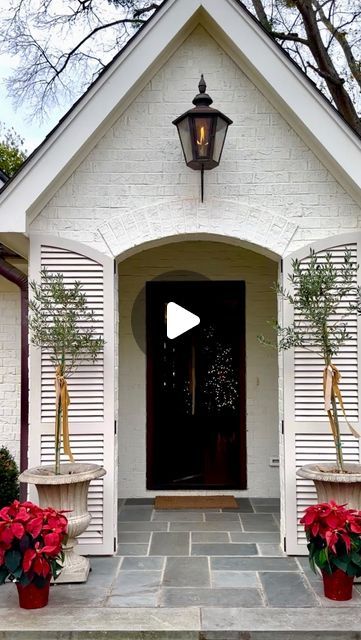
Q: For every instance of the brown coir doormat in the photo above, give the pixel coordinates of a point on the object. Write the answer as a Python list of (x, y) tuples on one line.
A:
[(195, 502)]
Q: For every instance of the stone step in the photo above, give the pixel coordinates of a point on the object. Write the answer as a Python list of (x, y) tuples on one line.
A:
[(75, 623)]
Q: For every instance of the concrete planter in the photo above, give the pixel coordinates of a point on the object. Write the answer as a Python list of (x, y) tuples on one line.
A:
[(341, 487), (68, 491)]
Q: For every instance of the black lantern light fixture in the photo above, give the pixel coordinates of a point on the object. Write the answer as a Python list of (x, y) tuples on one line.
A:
[(202, 132)]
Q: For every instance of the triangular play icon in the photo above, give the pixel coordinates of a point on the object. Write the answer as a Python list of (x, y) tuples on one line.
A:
[(179, 320)]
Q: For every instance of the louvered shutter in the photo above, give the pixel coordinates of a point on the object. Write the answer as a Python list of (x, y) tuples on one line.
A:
[(307, 436), (91, 386)]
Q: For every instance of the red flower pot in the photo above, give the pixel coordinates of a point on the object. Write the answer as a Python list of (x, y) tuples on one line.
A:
[(33, 597), (337, 585)]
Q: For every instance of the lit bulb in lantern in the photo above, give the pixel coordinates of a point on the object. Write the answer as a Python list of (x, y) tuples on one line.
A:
[(202, 144)]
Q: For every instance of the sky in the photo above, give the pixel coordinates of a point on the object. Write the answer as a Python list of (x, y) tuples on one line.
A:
[(29, 128), (32, 131)]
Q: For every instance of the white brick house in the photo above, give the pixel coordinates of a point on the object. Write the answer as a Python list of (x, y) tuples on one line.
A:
[(108, 199)]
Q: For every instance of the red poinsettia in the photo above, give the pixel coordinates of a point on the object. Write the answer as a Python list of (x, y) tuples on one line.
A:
[(31, 540), (334, 537)]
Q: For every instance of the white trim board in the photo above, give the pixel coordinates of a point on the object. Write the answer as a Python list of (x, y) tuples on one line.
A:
[(289, 90)]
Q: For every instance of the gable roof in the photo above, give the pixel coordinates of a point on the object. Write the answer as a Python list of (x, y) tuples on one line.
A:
[(251, 46)]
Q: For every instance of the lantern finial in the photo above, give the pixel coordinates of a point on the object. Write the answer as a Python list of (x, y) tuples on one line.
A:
[(202, 98), (202, 85)]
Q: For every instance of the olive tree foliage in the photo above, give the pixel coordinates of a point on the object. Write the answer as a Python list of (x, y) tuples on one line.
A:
[(62, 45)]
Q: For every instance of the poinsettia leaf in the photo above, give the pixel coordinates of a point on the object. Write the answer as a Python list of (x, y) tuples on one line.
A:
[(312, 563), (40, 581), (353, 570), (25, 579), (341, 563), (3, 574), (356, 558), (17, 573), (24, 543), (322, 558), (12, 559)]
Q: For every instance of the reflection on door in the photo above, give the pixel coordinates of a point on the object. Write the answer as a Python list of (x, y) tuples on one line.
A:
[(196, 427)]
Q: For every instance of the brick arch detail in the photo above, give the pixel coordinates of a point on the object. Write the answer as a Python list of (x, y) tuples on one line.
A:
[(189, 218)]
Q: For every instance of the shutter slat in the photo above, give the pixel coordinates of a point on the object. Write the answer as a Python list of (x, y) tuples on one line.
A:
[(308, 367), (83, 406)]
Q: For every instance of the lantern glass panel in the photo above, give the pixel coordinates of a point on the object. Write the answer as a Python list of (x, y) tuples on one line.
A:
[(220, 136), (185, 138), (203, 139)]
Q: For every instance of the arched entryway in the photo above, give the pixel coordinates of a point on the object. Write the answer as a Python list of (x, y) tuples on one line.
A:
[(193, 265)]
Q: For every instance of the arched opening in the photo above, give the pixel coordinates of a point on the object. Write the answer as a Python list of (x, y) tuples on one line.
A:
[(184, 263)]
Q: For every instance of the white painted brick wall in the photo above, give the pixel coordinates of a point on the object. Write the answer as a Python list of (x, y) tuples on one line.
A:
[(139, 163), (219, 262), (266, 169), (10, 367)]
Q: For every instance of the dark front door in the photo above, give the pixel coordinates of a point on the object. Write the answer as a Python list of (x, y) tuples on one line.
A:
[(196, 430)]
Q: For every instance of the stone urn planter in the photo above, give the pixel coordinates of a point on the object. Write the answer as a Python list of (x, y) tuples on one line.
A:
[(67, 491), (343, 488)]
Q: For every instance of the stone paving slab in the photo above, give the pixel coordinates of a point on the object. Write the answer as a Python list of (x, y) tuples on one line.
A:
[(134, 536), (220, 517), (143, 564), (219, 549), (287, 589), (100, 619), (232, 525), (186, 572), (170, 544), (266, 549), (303, 621), (132, 514), (253, 564), (264, 536), (172, 597), (210, 536), (264, 508), (182, 516), (259, 522), (128, 549), (142, 526), (235, 579)]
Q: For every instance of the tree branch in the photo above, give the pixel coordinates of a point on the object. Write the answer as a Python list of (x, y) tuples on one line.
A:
[(291, 37), (325, 66), (340, 36), (141, 11)]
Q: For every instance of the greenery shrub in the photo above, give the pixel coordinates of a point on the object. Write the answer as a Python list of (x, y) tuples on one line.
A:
[(9, 473)]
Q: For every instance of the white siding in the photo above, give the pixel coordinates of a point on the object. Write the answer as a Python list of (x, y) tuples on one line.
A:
[(10, 367)]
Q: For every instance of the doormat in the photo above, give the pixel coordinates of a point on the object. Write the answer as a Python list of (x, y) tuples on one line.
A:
[(195, 502)]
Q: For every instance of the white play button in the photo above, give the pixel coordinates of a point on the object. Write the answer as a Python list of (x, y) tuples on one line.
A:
[(179, 320)]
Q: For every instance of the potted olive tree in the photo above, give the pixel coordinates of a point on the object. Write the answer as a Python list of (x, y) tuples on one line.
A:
[(62, 325), (318, 290)]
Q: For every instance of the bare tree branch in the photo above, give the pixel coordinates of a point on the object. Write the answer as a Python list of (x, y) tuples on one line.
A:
[(62, 46), (341, 37), (324, 38)]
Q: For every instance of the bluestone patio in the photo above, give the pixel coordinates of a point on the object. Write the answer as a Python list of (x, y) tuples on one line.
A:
[(190, 574)]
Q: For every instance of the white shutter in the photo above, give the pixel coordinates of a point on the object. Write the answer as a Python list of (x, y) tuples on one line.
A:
[(307, 436), (91, 387)]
